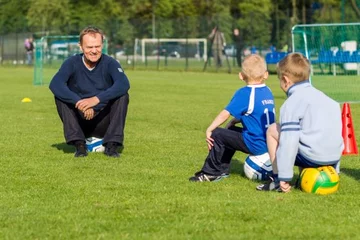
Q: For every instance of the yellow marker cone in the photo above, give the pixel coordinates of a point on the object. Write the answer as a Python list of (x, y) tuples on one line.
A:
[(26, 100)]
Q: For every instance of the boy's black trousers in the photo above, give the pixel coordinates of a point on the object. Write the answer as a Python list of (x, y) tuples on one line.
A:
[(226, 142)]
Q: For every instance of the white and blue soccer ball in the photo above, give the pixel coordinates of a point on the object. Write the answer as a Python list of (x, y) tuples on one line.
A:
[(258, 167), (94, 144)]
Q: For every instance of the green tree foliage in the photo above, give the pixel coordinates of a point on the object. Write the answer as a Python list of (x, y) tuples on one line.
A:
[(214, 13), (255, 21), (13, 15), (335, 11), (262, 22), (184, 11), (356, 7), (47, 16)]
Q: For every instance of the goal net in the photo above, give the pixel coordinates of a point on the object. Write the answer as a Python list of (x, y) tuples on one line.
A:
[(333, 50), (50, 52), (164, 52)]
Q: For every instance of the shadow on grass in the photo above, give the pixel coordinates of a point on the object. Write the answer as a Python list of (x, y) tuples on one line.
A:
[(354, 173), (64, 147), (70, 149), (237, 167)]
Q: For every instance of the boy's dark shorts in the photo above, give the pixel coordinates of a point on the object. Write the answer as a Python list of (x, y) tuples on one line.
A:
[(303, 162)]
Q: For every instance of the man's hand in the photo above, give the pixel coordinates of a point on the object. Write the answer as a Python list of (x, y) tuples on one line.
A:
[(87, 103), (285, 186), (89, 114)]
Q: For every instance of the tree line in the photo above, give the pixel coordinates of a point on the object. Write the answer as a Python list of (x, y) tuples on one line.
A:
[(261, 22)]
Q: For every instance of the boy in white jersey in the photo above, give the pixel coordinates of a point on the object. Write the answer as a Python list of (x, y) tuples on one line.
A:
[(309, 132), (253, 107)]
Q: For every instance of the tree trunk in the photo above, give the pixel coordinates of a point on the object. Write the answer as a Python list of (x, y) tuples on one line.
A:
[(355, 7), (294, 18), (304, 12)]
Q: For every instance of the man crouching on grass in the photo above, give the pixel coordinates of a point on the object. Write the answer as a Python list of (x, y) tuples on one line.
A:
[(91, 96)]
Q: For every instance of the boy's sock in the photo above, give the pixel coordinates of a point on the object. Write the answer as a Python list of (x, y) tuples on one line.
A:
[(276, 179)]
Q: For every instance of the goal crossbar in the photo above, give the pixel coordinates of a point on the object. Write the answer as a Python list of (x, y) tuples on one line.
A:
[(180, 40)]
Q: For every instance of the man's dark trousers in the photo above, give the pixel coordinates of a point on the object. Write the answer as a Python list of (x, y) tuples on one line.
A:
[(108, 124)]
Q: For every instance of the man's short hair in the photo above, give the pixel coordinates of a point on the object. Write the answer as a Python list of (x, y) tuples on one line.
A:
[(295, 66), (90, 30), (253, 67)]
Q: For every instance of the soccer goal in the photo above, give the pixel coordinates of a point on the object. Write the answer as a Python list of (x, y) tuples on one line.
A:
[(172, 47), (50, 52), (333, 50)]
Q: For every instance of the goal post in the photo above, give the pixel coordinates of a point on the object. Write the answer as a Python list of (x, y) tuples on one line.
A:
[(334, 54), (197, 45), (51, 51)]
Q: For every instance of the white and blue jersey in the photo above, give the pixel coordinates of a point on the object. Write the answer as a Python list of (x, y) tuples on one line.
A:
[(253, 106)]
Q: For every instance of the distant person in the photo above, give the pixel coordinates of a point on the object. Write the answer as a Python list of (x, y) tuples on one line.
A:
[(239, 45), (309, 134), (29, 48), (218, 45), (253, 107), (91, 96), (253, 50)]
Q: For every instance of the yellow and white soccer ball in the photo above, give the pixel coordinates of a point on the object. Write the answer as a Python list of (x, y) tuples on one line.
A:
[(94, 144), (322, 180)]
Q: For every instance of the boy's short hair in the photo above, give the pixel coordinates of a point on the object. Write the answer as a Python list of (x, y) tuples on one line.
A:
[(253, 67), (91, 30), (295, 66)]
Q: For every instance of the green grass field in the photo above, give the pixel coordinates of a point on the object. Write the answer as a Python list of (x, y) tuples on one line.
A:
[(46, 193)]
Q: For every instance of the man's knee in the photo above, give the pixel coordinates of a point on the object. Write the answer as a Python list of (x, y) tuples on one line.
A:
[(125, 97), (123, 100)]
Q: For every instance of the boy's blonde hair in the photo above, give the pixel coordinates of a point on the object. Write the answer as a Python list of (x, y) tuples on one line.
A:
[(295, 66), (253, 68)]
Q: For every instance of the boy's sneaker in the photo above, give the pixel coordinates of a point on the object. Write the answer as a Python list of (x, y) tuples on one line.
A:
[(81, 150), (225, 175), (203, 177), (269, 186)]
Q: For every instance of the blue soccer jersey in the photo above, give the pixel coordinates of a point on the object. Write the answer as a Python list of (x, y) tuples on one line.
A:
[(253, 106)]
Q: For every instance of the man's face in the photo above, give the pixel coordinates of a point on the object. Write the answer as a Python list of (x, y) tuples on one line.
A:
[(92, 47)]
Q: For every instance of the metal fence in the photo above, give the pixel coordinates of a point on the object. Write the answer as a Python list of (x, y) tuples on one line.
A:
[(12, 50), (123, 36)]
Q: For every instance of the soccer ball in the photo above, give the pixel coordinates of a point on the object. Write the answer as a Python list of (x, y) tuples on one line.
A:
[(94, 144), (258, 167), (322, 180)]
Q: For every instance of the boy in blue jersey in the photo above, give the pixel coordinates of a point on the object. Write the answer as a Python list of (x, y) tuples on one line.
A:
[(310, 130), (253, 107), (91, 96)]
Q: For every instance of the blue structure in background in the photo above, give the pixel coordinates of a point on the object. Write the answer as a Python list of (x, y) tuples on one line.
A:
[(324, 56), (274, 57)]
